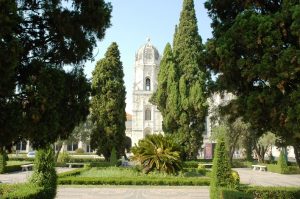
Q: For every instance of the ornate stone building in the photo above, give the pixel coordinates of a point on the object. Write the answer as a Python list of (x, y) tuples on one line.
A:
[(146, 119)]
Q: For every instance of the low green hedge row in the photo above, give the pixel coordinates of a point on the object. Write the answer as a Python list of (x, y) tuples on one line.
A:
[(261, 193), (194, 163), (24, 191), (274, 192), (290, 169), (21, 159), (133, 181), (12, 168), (74, 172)]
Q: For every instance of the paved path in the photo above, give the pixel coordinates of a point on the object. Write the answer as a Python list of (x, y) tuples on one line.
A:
[(133, 192), (262, 178), (23, 176)]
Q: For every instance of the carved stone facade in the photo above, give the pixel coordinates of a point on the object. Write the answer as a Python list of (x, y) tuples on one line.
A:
[(146, 119)]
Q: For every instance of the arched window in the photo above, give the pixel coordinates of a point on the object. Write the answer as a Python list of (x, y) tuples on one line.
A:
[(148, 84), (147, 114)]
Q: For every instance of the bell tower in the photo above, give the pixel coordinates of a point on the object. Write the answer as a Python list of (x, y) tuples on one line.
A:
[(146, 119)]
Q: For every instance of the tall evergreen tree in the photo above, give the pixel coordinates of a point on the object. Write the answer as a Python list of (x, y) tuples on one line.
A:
[(108, 104), (40, 37), (255, 50), (192, 80), (166, 95)]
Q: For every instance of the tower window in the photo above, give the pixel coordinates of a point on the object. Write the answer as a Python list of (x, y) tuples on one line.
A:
[(147, 114), (147, 84)]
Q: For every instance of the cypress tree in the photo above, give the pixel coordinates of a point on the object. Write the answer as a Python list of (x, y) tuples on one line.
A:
[(166, 95), (192, 80), (221, 170), (108, 104)]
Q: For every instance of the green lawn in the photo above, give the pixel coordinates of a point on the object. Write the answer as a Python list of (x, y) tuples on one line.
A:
[(131, 176), (14, 162)]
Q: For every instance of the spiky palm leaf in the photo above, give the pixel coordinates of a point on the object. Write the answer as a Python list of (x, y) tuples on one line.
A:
[(156, 152)]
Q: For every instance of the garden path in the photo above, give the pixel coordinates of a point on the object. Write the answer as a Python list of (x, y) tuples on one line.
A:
[(133, 192), (22, 176), (262, 178)]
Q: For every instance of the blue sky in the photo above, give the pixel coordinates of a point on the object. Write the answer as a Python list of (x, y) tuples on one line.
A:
[(135, 20)]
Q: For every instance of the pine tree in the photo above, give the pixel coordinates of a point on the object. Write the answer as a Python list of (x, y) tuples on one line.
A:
[(192, 80), (108, 104)]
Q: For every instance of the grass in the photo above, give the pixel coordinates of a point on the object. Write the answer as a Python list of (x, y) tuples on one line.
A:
[(131, 176), (14, 162)]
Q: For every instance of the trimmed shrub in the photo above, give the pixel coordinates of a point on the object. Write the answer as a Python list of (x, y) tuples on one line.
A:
[(221, 170), (79, 151), (113, 157), (74, 172), (2, 161), (134, 181), (235, 179), (64, 157), (24, 191), (274, 192), (12, 168), (234, 194), (44, 174), (201, 169), (282, 163)]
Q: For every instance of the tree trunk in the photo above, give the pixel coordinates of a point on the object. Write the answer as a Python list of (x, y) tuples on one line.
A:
[(297, 154), (57, 152)]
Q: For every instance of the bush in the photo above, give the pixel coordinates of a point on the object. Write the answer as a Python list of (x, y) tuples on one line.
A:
[(44, 174), (12, 168), (134, 181), (64, 157), (234, 194), (24, 191), (282, 164), (79, 151), (156, 152), (201, 169), (74, 172), (274, 192), (221, 170), (235, 179), (2, 161)]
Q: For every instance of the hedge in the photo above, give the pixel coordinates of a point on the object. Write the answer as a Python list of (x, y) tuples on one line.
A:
[(74, 172), (234, 194), (12, 168), (24, 191), (261, 193), (274, 192), (133, 181)]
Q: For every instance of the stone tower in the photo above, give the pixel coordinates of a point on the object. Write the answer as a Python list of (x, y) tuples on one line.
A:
[(146, 119)]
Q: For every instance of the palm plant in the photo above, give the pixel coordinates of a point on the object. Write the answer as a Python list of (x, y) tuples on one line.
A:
[(156, 152)]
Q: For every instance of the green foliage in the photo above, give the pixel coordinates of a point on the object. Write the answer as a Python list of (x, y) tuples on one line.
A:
[(108, 104), (44, 174), (74, 172), (24, 191), (226, 193), (41, 37), (134, 181), (2, 161), (156, 152), (181, 93), (192, 79), (64, 157), (79, 151), (282, 163), (274, 192), (221, 170), (113, 157), (255, 52)]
